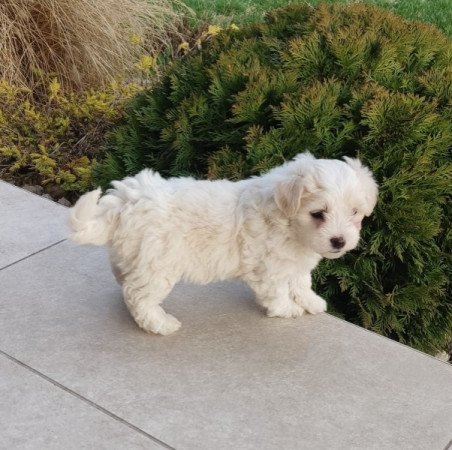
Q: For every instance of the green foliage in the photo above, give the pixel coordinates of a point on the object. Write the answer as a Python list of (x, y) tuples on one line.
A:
[(53, 140), (337, 80)]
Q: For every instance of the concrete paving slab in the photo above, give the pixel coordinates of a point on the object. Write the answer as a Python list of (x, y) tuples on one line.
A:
[(35, 414), (28, 223), (230, 378)]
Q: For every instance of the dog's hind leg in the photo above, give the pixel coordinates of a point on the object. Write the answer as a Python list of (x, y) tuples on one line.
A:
[(143, 294), (117, 273)]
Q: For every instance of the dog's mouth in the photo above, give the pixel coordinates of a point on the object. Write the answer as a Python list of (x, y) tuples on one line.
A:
[(333, 254)]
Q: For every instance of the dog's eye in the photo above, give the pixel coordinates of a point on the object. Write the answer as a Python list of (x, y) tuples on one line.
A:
[(318, 215), (354, 212)]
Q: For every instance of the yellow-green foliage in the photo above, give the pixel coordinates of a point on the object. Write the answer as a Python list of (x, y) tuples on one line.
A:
[(54, 141)]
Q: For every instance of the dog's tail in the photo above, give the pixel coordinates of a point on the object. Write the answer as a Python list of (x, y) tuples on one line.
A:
[(90, 222)]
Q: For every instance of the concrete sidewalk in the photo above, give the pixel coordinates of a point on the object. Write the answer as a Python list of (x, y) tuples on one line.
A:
[(76, 372)]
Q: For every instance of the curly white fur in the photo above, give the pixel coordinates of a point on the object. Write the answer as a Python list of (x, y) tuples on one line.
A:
[(269, 231)]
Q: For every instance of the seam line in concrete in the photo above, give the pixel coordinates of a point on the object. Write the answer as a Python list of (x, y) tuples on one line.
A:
[(32, 254), (87, 401)]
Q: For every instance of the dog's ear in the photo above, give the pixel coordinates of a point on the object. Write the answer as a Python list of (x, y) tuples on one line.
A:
[(368, 184), (288, 195)]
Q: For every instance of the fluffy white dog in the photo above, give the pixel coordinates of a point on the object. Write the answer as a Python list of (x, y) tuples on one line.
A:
[(270, 231)]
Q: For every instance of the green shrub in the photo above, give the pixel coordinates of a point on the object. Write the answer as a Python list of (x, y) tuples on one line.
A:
[(337, 80), (54, 141)]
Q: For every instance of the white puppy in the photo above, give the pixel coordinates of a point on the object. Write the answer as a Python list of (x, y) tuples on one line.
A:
[(270, 231)]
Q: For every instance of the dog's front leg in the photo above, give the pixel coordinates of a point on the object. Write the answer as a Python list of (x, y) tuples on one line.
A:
[(302, 294), (274, 296)]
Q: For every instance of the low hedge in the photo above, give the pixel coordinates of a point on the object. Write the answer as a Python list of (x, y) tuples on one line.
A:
[(338, 80)]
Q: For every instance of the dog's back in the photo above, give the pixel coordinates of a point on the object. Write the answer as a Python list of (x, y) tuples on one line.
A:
[(185, 223)]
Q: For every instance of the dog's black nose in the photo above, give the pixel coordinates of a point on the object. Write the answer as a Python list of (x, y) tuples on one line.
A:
[(337, 242)]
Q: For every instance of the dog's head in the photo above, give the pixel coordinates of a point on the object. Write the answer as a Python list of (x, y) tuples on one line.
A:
[(326, 201)]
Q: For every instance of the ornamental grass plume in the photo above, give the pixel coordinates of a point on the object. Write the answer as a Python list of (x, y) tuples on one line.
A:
[(81, 42)]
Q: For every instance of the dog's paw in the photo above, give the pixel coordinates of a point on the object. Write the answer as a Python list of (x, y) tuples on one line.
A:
[(314, 304), (285, 310), (160, 323), (168, 326), (310, 301)]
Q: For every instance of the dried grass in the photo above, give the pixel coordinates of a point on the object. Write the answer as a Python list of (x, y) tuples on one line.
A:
[(82, 42)]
